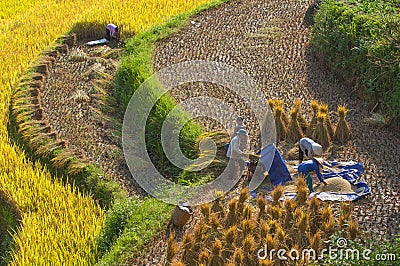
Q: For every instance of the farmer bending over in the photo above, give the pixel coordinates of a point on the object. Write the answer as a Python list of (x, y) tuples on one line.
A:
[(311, 166), (234, 151), (310, 148), (112, 32)]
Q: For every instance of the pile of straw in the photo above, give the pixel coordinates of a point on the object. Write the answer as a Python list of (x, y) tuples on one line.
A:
[(293, 153), (343, 130), (280, 125), (321, 134), (294, 133), (323, 108)]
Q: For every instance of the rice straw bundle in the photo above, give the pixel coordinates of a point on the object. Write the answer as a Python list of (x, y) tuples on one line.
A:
[(343, 130), (313, 123), (279, 102), (302, 120), (281, 129), (321, 134), (271, 103), (216, 252), (294, 133), (323, 108)]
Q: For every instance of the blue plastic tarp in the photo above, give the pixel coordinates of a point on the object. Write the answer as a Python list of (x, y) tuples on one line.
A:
[(349, 171), (346, 170), (278, 172)]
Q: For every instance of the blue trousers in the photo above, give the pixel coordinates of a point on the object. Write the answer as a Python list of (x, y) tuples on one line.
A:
[(309, 182)]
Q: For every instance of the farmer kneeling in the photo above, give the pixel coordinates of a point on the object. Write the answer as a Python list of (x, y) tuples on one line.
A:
[(309, 166), (112, 32), (234, 151)]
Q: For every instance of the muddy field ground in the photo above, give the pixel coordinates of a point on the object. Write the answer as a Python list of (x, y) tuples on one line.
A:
[(268, 41)]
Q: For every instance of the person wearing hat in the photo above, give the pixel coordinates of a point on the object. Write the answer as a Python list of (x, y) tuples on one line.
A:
[(310, 148), (306, 168), (239, 126), (112, 32), (234, 152)]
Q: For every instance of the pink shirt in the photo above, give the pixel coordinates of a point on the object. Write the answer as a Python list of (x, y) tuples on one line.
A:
[(112, 28)]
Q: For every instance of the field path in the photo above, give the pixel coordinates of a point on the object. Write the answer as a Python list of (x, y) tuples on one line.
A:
[(267, 40)]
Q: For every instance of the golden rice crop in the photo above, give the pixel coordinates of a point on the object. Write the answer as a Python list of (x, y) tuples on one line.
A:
[(301, 224), (59, 225)]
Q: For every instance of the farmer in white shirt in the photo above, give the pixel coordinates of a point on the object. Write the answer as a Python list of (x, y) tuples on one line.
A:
[(234, 151), (310, 148), (239, 126)]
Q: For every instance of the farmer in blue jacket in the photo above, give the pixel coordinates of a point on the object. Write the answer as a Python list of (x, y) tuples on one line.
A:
[(309, 166)]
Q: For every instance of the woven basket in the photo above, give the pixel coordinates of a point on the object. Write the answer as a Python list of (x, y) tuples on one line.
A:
[(181, 215)]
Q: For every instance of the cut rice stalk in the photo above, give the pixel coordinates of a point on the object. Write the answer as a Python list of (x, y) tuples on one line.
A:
[(271, 103), (324, 109), (343, 130), (75, 167), (321, 134), (48, 148), (302, 120), (294, 133), (281, 129), (63, 159), (279, 103), (313, 123)]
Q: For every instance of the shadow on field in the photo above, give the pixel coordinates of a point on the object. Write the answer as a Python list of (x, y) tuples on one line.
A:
[(9, 221), (89, 30)]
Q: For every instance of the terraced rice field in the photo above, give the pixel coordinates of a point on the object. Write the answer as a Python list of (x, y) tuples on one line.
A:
[(268, 40), (265, 39), (79, 92)]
